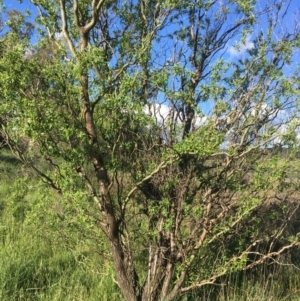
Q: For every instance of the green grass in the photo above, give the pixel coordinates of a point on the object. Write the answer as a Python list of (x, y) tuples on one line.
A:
[(34, 268), (43, 260), (35, 262), (281, 284)]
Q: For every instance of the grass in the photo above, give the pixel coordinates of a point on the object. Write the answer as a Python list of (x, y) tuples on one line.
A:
[(32, 268), (282, 284), (41, 262), (35, 262)]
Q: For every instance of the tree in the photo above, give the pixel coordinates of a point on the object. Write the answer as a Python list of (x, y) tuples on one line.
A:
[(115, 97)]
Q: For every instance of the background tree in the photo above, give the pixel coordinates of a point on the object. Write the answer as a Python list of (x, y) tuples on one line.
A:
[(138, 107)]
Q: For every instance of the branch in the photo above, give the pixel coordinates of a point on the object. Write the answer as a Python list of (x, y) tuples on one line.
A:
[(225, 270), (76, 18), (95, 13), (91, 188), (42, 17), (20, 155), (161, 166), (270, 255), (65, 27)]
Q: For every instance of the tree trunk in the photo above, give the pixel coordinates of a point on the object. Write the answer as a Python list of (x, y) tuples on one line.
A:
[(190, 112), (112, 226)]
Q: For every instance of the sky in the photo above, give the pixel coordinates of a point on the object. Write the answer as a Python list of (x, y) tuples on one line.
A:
[(27, 5), (294, 8), (15, 4), (232, 53)]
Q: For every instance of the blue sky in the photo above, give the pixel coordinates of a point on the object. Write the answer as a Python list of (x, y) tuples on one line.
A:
[(231, 53), (14, 4), (294, 8)]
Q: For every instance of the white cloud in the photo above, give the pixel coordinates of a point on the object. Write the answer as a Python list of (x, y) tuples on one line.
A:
[(29, 52), (240, 48), (199, 121), (160, 112), (59, 36)]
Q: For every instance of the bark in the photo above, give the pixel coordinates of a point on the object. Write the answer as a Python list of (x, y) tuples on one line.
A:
[(112, 225), (190, 113)]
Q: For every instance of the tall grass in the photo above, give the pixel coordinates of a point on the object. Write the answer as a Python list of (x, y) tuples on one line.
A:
[(32, 267), (276, 283), (283, 284), (37, 263)]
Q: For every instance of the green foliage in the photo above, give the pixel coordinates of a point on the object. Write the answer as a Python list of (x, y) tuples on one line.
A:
[(151, 146), (42, 257)]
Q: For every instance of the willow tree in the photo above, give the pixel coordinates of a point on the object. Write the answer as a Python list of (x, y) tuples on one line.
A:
[(168, 116)]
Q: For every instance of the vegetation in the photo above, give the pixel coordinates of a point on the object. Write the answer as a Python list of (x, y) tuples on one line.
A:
[(153, 160), (38, 262)]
